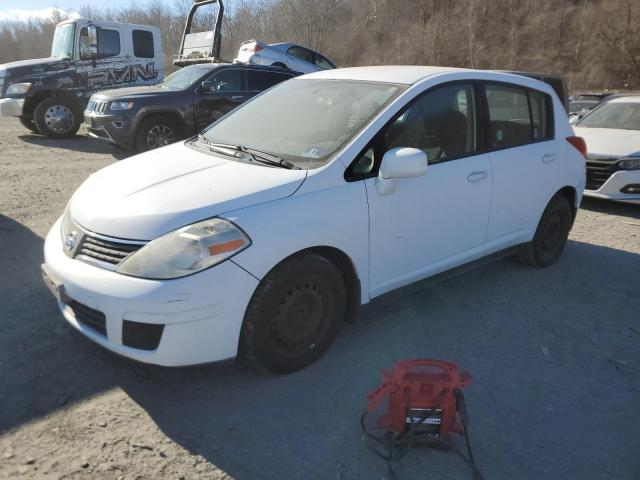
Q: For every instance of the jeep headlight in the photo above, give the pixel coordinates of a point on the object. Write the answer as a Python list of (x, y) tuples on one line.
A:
[(116, 106), (187, 250), (629, 163), (18, 88)]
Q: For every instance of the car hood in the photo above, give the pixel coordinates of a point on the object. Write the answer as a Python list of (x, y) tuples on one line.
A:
[(34, 62), (156, 192), (132, 92), (610, 141)]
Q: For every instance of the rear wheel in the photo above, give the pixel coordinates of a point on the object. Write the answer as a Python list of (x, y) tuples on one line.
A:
[(27, 122), (57, 117), (156, 132), (551, 234), (294, 314)]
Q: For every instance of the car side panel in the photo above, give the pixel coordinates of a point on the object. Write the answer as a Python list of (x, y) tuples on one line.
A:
[(332, 214)]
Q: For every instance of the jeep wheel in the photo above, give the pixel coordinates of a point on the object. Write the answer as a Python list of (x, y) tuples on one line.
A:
[(156, 132), (293, 315), (27, 123), (56, 118)]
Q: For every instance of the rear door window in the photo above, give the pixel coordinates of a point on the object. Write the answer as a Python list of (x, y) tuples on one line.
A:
[(509, 117), (143, 44), (261, 80)]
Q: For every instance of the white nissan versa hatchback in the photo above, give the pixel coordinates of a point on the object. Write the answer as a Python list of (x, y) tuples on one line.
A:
[(275, 224)]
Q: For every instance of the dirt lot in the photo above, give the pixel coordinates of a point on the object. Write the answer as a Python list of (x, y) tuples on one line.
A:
[(555, 358)]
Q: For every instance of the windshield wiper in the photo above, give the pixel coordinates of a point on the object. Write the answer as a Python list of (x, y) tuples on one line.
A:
[(256, 155)]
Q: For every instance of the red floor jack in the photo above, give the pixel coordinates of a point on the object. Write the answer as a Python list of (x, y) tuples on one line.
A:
[(425, 405)]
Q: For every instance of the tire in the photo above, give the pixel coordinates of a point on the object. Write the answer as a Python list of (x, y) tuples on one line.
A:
[(293, 315), (279, 64), (57, 118), (28, 123), (551, 234), (155, 132)]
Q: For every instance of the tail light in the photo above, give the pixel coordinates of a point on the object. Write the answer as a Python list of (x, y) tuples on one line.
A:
[(579, 144), (256, 47)]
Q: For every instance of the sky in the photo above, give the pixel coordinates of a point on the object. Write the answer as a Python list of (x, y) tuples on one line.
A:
[(22, 9)]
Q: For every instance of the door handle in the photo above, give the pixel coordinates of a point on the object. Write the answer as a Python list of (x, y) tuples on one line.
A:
[(549, 158), (237, 97), (476, 177)]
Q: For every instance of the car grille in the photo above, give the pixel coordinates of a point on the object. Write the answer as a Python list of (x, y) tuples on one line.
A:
[(96, 106), (106, 250), (89, 317), (599, 169)]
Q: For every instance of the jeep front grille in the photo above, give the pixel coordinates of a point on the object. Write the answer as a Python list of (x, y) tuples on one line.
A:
[(97, 106)]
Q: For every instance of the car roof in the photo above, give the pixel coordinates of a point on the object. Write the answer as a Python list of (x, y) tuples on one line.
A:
[(411, 74), (282, 45), (405, 74), (270, 68), (624, 99)]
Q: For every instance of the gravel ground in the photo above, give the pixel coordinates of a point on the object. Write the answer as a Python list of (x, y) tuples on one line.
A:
[(554, 355)]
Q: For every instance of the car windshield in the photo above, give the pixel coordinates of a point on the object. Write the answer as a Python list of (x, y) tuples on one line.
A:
[(62, 44), (304, 121), (575, 107), (185, 77), (621, 115)]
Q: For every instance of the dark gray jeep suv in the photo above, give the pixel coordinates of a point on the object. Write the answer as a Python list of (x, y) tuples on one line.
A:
[(181, 105)]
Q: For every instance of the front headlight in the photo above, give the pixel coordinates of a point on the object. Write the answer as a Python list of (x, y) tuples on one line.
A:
[(629, 164), (187, 250), (115, 106), (18, 88)]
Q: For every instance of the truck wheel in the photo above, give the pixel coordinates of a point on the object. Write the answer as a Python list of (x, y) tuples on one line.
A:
[(27, 123), (293, 315), (57, 118), (551, 234), (155, 132)]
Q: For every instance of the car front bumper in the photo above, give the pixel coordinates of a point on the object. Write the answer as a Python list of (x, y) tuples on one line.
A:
[(612, 188), (11, 107), (202, 314), (118, 129)]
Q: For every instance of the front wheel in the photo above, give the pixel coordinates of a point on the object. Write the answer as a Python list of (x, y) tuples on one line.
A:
[(551, 234), (57, 118), (294, 314), (156, 132)]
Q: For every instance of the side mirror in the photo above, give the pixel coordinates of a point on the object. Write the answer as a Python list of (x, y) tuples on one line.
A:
[(400, 162), (93, 40)]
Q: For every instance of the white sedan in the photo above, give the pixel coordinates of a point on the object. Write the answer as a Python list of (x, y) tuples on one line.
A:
[(261, 235), (612, 133), (284, 55)]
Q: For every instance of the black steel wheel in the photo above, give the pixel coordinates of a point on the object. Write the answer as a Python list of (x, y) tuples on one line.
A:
[(294, 314), (551, 234)]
